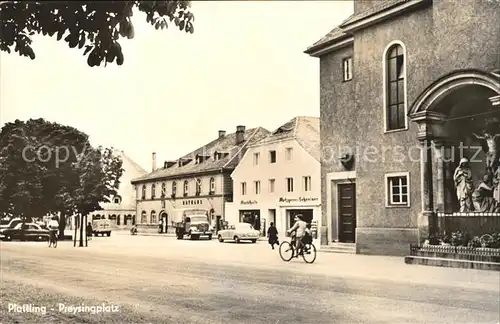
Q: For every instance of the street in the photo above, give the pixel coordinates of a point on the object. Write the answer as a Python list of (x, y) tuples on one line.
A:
[(151, 279)]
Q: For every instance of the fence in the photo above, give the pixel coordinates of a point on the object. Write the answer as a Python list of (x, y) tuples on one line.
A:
[(448, 249), (474, 223)]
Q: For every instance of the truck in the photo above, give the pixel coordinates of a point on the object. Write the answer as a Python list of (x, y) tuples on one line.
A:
[(192, 223), (102, 227)]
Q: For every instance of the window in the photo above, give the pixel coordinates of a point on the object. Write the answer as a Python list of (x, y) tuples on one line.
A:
[(144, 217), (289, 184), (256, 157), (198, 187), (144, 192), (307, 183), (271, 185), (288, 153), (272, 156), (257, 187), (153, 217), (212, 185), (347, 68), (243, 188), (395, 96), (397, 189), (174, 188), (163, 190), (117, 200), (153, 191), (118, 220), (186, 188)]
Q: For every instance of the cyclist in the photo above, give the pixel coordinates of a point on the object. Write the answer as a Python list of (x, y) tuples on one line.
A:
[(53, 226), (299, 229)]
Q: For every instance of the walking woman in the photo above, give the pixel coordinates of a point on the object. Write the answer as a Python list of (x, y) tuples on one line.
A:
[(272, 234)]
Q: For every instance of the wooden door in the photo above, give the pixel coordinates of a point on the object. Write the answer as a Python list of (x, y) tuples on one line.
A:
[(347, 212)]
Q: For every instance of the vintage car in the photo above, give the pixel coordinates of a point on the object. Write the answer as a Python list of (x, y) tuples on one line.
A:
[(11, 223), (239, 232), (32, 232)]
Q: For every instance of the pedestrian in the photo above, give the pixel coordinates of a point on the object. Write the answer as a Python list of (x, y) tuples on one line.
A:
[(89, 231), (272, 234)]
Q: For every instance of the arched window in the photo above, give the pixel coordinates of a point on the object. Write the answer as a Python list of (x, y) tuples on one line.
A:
[(212, 185), (144, 217), (153, 217), (117, 219), (174, 188), (198, 187), (143, 192), (395, 87), (153, 191), (186, 188), (163, 190), (117, 199)]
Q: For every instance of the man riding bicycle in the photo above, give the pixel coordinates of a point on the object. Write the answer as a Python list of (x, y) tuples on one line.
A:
[(300, 231), (53, 227)]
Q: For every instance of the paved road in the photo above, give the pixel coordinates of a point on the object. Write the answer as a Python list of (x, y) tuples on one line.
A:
[(162, 280)]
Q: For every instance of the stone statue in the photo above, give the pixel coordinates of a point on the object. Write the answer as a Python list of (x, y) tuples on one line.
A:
[(496, 183), (464, 185), (482, 197), (490, 146)]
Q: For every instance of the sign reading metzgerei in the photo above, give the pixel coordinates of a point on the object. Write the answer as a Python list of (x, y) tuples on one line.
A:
[(298, 199)]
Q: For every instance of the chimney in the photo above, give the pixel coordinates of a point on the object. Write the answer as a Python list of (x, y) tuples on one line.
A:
[(240, 134), (154, 162), (222, 133)]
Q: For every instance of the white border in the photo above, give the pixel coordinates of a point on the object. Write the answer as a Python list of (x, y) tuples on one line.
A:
[(386, 180), (384, 85)]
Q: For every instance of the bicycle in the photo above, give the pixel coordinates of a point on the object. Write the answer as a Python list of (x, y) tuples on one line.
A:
[(306, 250), (53, 239)]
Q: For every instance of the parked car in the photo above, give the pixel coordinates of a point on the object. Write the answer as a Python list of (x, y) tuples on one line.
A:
[(32, 232), (239, 232), (11, 223)]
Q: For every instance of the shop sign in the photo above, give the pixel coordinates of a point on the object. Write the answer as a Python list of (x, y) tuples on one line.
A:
[(298, 199), (248, 202)]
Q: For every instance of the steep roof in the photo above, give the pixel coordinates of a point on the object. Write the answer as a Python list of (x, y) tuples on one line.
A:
[(225, 144), (383, 5), (333, 36), (337, 33), (125, 157), (304, 129)]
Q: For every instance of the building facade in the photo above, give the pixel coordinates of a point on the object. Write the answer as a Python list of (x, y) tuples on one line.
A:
[(403, 86), (279, 177), (121, 209), (200, 179)]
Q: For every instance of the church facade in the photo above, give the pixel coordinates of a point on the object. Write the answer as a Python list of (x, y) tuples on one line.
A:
[(399, 111)]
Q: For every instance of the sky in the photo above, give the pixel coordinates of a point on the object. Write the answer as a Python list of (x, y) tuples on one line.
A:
[(244, 65)]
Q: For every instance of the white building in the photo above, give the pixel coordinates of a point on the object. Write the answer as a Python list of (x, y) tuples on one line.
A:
[(279, 177), (121, 210)]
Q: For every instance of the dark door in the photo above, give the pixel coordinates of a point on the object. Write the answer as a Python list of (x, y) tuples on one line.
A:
[(347, 212)]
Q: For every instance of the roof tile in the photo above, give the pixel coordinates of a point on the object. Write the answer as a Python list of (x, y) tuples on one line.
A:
[(224, 144)]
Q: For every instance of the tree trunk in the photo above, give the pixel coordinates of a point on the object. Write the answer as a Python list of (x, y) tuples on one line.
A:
[(86, 234), (62, 226), (23, 219), (74, 236), (81, 230)]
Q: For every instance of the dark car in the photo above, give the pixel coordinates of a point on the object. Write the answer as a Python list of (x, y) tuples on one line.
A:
[(31, 231), (10, 223)]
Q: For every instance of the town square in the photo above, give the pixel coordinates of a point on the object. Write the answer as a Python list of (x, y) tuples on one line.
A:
[(250, 161)]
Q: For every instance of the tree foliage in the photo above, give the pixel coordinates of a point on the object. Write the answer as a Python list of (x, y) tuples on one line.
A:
[(95, 27), (51, 168)]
